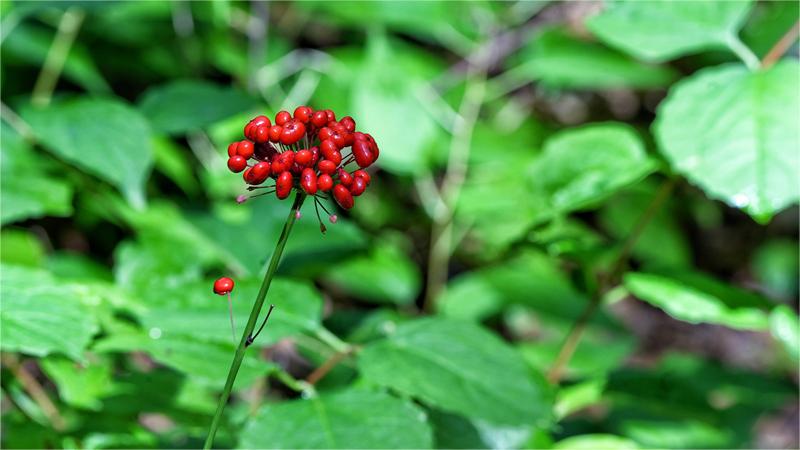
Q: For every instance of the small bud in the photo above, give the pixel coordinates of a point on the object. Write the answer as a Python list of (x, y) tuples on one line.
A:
[(297, 214), (241, 199), (333, 218)]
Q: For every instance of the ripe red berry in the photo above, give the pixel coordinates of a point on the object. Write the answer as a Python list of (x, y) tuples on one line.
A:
[(303, 114), (292, 132), (282, 117), (324, 182), (362, 174), (326, 166), (259, 173), (331, 115), (303, 157), (250, 130), (260, 134), (358, 187), (348, 123), (232, 148), (283, 162), (319, 119), (283, 185), (324, 134), (245, 149), (223, 286), (343, 197), (338, 139), (327, 147), (275, 133), (308, 181), (237, 163), (345, 178), (336, 157), (363, 153)]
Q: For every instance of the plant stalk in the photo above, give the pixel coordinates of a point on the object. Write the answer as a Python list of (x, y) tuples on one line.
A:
[(251, 322)]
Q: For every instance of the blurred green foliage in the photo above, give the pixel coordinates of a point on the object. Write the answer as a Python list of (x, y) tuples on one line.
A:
[(538, 160)]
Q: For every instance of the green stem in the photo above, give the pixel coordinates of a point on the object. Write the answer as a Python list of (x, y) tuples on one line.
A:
[(743, 52), (68, 29), (251, 322)]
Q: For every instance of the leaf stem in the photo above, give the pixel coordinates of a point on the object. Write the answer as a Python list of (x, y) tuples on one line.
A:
[(605, 282), (68, 29), (780, 47), (251, 322), (320, 372), (35, 390), (743, 52)]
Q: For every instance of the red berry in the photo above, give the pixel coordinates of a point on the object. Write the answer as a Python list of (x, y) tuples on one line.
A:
[(348, 123), (237, 163), (259, 173), (251, 128), (336, 157), (283, 162), (324, 133), (314, 155), (282, 117), (292, 132), (223, 286), (343, 197), (319, 119), (327, 147), (338, 139), (283, 185), (303, 157), (246, 175), (308, 181), (232, 148), (331, 115), (363, 153), (324, 182), (362, 174), (303, 114), (326, 166), (345, 178), (275, 133), (245, 149), (358, 187)]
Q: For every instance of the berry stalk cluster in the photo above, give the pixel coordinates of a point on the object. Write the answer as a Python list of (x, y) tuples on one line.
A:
[(308, 151)]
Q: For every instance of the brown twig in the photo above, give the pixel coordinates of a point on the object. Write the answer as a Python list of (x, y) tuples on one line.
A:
[(780, 47), (320, 372), (605, 282), (36, 391)]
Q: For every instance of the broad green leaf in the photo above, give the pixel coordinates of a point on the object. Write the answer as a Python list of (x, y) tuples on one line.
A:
[(81, 386), (27, 190), (68, 265), (559, 60), (734, 133), (784, 326), (582, 166), (19, 246), (767, 23), (458, 367), (104, 137), (187, 105), (596, 442), (346, 419), (676, 434), (659, 30), (385, 275), (42, 315), (695, 298)]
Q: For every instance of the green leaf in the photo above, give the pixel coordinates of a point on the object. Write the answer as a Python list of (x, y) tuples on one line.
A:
[(385, 275), (695, 298), (784, 326), (659, 30), (347, 419), (562, 61), (677, 434), (186, 105), (776, 266), (734, 133), (578, 396), (595, 442), (21, 247), (104, 137), (80, 386), (41, 315), (458, 367), (582, 166)]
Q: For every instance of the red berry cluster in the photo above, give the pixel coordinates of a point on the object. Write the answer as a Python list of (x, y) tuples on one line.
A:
[(308, 151)]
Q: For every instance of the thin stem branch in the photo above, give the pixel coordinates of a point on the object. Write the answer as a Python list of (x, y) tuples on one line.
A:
[(573, 338), (36, 391), (251, 322), (320, 372), (67, 31), (743, 52), (780, 47)]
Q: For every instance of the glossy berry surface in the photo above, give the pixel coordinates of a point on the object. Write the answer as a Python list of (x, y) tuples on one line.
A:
[(223, 286)]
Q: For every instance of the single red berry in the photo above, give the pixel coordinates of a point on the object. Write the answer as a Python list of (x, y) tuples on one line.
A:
[(283, 162), (326, 166), (259, 173), (363, 153), (343, 197), (327, 147), (275, 132), (345, 178), (362, 174), (247, 175), (348, 123), (252, 126), (282, 117), (232, 148), (338, 139), (292, 132), (308, 181), (324, 134), (303, 157), (260, 134), (223, 286), (358, 187), (314, 155), (324, 182), (245, 149), (237, 163), (283, 185), (336, 157), (319, 119), (303, 114), (331, 115)]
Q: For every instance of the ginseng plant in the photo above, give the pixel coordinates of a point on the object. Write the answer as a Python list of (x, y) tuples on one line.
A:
[(303, 153)]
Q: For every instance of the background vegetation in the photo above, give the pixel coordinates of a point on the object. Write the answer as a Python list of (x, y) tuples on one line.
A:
[(582, 232)]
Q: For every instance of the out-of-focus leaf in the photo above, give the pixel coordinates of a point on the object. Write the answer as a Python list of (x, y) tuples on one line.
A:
[(385, 275), (559, 60), (26, 189), (457, 367), (784, 326), (79, 386), (696, 298), (454, 431), (582, 166), (575, 397), (678, 434), (76, 266), (767, 23), (104, 137), (661, 30), (596, 442), (20, 247), (42, 315), (347, 419), (775, 265), (734, 133), (187, 105), (170, 160)]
